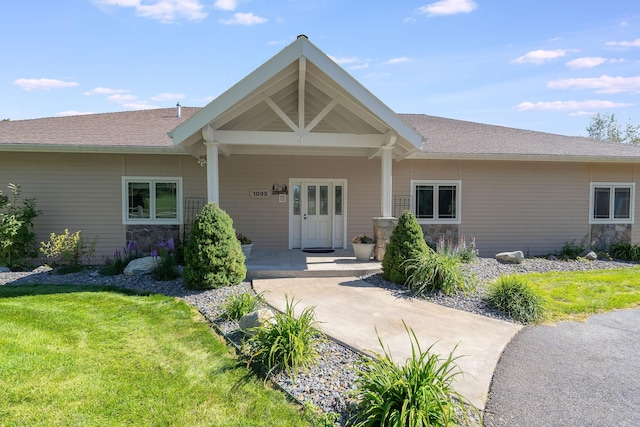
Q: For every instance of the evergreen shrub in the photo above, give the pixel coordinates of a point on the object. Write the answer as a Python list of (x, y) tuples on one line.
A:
[(406, 243), (213, 256)]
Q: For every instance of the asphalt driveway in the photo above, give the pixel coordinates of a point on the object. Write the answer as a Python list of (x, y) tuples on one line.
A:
[(570, 374)]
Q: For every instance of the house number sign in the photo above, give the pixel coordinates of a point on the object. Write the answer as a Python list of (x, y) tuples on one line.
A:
[(259, 193)]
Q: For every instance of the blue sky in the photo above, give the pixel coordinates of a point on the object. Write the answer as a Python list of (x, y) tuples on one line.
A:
[(544, 65)]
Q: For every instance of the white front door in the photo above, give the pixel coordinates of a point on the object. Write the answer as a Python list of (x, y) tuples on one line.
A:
[(316, 214)]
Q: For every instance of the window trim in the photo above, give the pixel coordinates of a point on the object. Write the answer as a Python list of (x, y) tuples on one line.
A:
[(612, 186), (436, 184), (151, 180)]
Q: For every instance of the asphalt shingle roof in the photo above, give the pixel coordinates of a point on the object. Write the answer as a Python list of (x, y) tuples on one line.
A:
[(444, 138)]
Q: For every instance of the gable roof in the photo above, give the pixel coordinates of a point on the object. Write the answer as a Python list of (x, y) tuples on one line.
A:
[(299, 98), (129, 131), (459, 139)]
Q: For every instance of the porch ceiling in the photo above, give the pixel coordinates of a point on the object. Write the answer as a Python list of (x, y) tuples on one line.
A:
[(299, 102)]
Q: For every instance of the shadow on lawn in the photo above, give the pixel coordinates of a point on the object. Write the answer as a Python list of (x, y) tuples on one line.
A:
[(23, 290)]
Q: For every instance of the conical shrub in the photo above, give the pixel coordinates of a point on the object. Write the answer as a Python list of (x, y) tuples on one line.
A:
[(213, 256), (406, 242)]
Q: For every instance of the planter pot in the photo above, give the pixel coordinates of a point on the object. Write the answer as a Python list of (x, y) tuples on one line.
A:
[(246, 250), (363, 251)]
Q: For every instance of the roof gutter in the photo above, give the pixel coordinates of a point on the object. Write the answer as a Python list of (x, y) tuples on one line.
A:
[(99, 149), (525, 157)]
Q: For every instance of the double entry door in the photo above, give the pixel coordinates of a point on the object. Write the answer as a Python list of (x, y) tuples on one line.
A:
[(317, 216)]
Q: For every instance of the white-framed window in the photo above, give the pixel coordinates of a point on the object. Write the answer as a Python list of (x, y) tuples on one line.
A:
[(436, 202), (151, 200), (611, 202)]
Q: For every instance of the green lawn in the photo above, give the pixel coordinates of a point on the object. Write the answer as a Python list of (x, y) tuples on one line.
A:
[(80, 356), (576, 295)]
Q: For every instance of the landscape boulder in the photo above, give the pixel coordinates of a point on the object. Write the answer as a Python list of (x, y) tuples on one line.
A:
[(5, 270), (255, 319), (589, 254), (515, 257), (141, 266)]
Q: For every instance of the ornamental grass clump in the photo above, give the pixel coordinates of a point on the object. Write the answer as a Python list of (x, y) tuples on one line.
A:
[(432, 272), (513, 295), (213, 255), (406, 242), (238, 305), (418, 393), (287, 343)]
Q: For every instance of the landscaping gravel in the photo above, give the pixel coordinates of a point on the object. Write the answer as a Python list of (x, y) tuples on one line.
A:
[(328, 383)]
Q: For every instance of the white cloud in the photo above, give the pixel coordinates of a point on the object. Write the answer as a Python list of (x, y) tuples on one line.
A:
[(449, 7), (277, 42), (167, 97), (351, 62), (632, 43), (247, 19), (624, 24), (225, 4), (348, 60), (602, 84), (397, 60), (105, 91), (43, 84), (165, 11), (358, 66), (587, 62), (569, 105), (73, 113), (540, 56), (120, 98)]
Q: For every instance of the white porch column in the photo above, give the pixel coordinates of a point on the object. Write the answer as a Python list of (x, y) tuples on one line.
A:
[(213, 178), (386, 181)]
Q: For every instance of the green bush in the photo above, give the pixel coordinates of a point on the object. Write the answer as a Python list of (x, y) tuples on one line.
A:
[(571, 250), (625, 251), (432, 272), (213, 256), (513, 295), (17, 240), (287, 343), (238, 305), (417, 393), (69, 248), (406, 242)]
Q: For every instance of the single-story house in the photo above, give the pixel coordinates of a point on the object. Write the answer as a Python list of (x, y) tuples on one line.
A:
[(301, 155)]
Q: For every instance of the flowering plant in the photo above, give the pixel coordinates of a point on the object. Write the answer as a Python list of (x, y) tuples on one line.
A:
[(166, 266), (244, 240), (362, 238)]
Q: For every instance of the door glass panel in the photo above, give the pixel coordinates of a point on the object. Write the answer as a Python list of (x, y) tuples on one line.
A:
[(324, 200), (311, 200), (296, 200), (338, 197)]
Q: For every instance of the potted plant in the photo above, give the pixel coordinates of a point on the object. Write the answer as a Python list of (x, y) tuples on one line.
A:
[(246, 244), (363, 247)]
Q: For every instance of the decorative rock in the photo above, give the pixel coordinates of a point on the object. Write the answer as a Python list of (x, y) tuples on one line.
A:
[(589, 254), (255, 319), (5, 270), (552, 257), (515, 257), (141, 266)]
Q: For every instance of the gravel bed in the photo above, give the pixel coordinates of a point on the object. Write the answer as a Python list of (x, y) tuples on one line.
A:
[(327, 384)]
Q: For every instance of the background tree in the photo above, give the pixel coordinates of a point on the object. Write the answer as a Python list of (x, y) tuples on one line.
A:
[(606, 127)]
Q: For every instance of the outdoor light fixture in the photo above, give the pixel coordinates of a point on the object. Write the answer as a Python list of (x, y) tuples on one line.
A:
[(202, 161)]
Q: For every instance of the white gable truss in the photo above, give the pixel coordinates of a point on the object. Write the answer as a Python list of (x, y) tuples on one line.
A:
[(300, 102)]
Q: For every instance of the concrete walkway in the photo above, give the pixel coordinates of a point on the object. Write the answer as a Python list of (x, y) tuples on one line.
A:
[(351, 311)]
